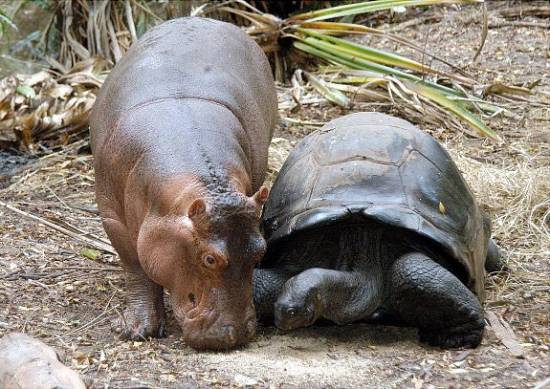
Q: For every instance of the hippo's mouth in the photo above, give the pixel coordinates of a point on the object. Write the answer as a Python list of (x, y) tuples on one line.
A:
[(215, 335), (205, 326)]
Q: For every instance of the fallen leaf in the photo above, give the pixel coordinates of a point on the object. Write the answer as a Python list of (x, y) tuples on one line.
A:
[(26, 91), (504, 332), (500, 88), (90, 253)]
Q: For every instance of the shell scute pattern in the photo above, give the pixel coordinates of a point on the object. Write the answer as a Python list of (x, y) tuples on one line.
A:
[(385, 169)]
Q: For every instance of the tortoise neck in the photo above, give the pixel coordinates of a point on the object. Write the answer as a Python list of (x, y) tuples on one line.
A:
[(359, 246), (362, 250)]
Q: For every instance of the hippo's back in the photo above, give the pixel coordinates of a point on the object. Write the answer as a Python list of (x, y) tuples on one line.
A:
[(193, 58)]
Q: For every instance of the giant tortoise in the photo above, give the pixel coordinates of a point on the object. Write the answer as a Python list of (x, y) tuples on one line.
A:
[(370, 217)]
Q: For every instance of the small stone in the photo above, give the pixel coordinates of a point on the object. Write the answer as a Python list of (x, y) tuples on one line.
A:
[(243, 380)]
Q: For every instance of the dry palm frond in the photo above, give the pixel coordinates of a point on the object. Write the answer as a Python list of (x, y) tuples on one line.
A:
[(31, 110), (412, 86), (86, 29), (351, 88), (5, 23), (47, 108)]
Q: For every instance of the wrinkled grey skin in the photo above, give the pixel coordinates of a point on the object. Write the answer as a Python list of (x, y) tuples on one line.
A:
[(369, 242), (358, 271)]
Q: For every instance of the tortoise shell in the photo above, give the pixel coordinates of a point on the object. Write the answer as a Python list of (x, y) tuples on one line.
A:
[(382, 168)]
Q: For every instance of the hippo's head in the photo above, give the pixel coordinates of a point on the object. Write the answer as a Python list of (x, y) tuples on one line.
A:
[(205, 256)]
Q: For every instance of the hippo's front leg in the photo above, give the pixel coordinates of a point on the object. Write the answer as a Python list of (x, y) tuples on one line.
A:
[(145, 316), (339, 296)]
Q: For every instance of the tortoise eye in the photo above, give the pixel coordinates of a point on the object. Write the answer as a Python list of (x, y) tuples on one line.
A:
[(209, 261)]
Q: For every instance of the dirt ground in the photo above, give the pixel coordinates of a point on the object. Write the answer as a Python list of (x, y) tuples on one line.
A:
[(54, 288)]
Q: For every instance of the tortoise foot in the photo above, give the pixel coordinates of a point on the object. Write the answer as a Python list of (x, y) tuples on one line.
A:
[(468, 336)]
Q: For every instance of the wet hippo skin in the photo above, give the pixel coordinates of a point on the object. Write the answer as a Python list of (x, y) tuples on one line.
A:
[(180, 133)]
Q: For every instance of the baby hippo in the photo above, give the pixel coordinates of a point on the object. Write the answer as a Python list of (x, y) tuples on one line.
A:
[(370, 215), (180, 133)]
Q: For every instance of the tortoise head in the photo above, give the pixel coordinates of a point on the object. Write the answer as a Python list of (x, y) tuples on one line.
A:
[(300, 303)]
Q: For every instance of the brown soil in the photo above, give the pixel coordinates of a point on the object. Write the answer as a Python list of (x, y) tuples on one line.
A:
[(68, 298)]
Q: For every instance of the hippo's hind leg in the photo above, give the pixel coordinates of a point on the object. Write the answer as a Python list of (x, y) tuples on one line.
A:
[(145, 316), (428, 296)]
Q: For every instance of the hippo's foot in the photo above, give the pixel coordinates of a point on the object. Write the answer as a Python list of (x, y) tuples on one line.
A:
[(427, 296), (140, 323), (145, 316)]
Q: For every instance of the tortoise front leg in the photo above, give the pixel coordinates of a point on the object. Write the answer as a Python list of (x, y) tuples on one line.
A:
[(268, 284), (339, 296), (428, 296)]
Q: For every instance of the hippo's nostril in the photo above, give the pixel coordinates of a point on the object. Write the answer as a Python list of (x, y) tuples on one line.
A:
[(230, 334)]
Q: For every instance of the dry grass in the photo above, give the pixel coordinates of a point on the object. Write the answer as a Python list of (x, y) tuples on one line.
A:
[(52, 289), (59, 188), (53, 108), (515, 192)]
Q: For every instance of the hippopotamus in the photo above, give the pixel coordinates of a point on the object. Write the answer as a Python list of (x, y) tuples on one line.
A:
[(179, 134)]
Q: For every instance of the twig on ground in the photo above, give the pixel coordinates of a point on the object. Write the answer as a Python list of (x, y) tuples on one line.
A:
[(483, 33), (93, 242), (519, 24), (521, 11), (544, 384), (302, 122), (415, 22), (98, 319)]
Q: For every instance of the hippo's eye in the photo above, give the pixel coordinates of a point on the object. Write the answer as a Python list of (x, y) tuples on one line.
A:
[(209, 261)]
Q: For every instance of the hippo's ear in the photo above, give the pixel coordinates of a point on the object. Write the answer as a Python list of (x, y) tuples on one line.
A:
[(197, 207), (260, 197)]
